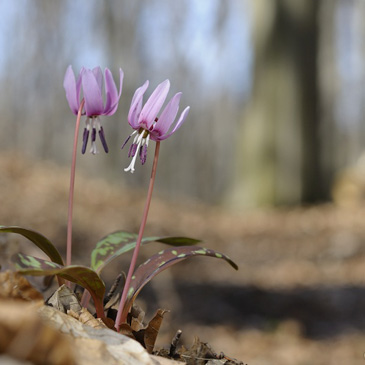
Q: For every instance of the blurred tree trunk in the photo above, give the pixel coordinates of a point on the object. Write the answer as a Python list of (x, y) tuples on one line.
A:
[(278, 155), (330, 86)]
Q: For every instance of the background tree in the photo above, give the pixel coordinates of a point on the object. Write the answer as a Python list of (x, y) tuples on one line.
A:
[(278, 158)]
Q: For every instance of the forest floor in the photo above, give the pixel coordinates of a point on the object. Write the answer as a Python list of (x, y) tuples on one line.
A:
[(298, 297)]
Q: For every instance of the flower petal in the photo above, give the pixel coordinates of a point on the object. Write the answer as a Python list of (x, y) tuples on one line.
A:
[(168, 116), (78, 86), (154, 104), (92, 94), (110, 91), (136, 105), (114, 99), (179, 123), (98, 76), (69, 83)]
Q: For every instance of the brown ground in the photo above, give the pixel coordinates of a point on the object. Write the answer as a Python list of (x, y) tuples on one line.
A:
[(298, 297)]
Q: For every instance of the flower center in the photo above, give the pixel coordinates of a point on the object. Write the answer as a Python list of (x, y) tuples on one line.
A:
[(138, 147), (93, 124)]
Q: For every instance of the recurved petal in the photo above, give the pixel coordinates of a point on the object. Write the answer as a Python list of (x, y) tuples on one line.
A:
[(98, 76), (78, 87), (115, 106), (168, 115), (112, 96), (136, 105), (92, 94), (154, 104), (121, 76), (72, 96), (179, 123), (140, 92)]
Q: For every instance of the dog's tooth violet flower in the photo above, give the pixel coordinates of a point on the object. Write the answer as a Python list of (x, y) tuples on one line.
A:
[(90, 82), (147, 125)]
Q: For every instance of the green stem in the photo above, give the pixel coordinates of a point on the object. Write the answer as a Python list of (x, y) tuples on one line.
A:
[(120, 316), (72, 185)]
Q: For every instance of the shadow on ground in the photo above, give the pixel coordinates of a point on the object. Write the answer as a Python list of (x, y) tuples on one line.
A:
[(322, 312)]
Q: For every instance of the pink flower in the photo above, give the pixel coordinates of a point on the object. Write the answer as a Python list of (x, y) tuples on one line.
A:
[(145, 122), (91, 82)]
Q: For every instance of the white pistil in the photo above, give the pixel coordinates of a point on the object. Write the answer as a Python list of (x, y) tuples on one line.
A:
[(93, 148), (139, 140), (95, 122), (147, 139)]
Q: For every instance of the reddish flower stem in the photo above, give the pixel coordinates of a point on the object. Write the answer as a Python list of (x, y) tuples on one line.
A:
[(120, 317), (72, 186), (85, 299)]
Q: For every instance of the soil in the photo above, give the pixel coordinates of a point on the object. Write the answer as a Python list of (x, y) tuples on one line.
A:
[(299, 294)]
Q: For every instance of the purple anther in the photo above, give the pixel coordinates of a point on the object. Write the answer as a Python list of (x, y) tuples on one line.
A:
[(102, 139), (134, 149), (143, 154), (85, 138), (93, 135), (130, 150), (126, 141)]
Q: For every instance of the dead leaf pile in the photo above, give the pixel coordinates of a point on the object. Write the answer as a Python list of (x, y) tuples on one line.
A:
[(23, 335), (145, 334), (17, 287), (33, 332), (200, 353)]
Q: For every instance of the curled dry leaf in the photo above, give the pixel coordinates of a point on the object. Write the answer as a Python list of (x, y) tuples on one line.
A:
[(16, 286), (136, 318), (151, 332), (64, 299), (146, 335)]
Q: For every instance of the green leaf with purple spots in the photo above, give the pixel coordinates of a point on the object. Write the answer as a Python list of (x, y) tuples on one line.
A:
[(81, 275), (118, 243), (38, 239), (160, 262)]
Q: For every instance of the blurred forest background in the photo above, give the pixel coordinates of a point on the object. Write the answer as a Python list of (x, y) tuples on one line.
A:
[(276, 90)]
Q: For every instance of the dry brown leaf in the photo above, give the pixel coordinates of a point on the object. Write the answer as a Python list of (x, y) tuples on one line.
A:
[(151, 331), (16, 286), (64, 299), (146, 335), (126, 330), (97, 345), (198, 354), (24, 336), (136, 318), (86, 317)]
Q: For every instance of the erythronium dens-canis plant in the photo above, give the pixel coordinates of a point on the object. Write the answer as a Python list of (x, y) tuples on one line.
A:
[(147, 125), (84, 96)]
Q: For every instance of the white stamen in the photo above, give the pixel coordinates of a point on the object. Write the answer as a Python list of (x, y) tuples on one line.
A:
[(96, 123), (133, 162), (87, 122), (93, 148)]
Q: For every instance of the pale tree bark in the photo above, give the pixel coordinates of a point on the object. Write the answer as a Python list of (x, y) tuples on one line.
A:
[(278, 142)]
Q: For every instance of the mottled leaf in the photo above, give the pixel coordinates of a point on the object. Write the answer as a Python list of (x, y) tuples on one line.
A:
[(118, 243), (81, 275), (38, 239), (161, 261)]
